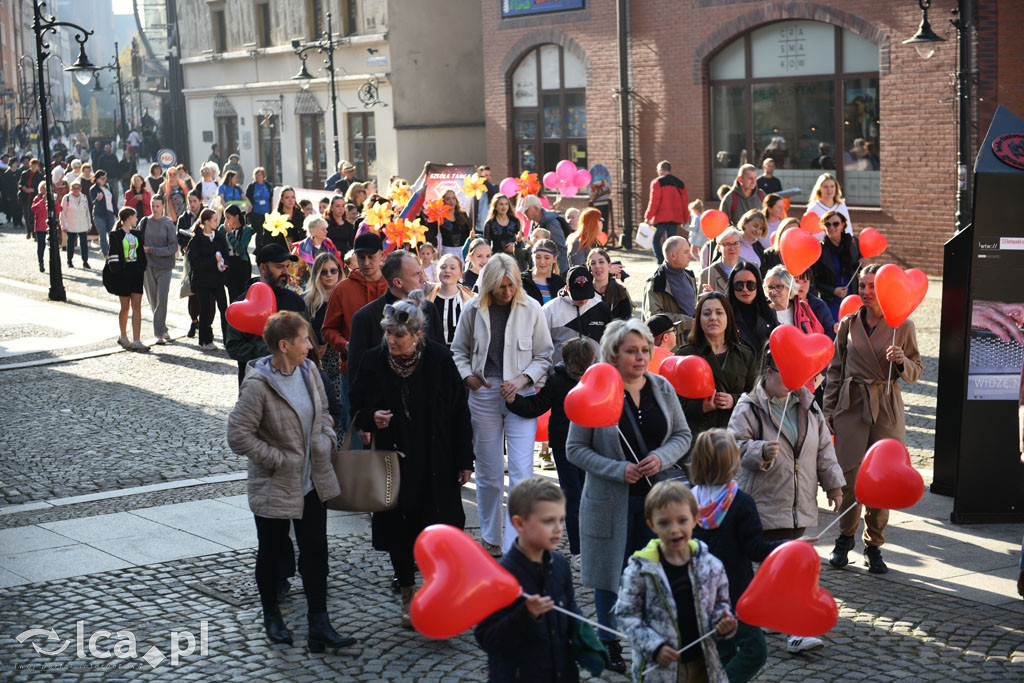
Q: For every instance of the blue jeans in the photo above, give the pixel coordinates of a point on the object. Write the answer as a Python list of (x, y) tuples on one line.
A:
[(83, 242), (41, 246), (637, 536), (662, 231), (104, 224)]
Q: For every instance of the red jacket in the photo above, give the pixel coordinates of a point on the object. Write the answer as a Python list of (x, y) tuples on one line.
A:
[(668, 202), (349, 296), (39, 212), (131, 200)]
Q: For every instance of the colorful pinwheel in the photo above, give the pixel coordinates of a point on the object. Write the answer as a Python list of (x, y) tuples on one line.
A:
[(396, 232), (277, 224), (417, 232), (438, 212), (378, 215), (400, 194), (474, 186), (528, 183)]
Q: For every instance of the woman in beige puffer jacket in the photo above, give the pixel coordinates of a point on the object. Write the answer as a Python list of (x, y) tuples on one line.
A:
[(783, 486)]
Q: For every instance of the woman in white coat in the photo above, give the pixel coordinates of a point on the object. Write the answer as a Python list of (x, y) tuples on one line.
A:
[(75, 220), (502, 347)]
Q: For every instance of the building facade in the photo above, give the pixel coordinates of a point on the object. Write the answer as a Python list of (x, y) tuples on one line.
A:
[(817, 86), (239, 62)]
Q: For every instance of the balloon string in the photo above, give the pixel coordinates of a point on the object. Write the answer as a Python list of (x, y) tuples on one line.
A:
[(888, 383), (854, 275), (635, 459), (681, 651), (836, 520), (593, 623), (783, 418)]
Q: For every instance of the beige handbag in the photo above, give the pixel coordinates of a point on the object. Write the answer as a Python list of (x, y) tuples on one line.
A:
[(369, 479)]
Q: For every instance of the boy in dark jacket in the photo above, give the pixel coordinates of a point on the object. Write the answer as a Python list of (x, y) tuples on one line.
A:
[(528, 640), (577, 355)]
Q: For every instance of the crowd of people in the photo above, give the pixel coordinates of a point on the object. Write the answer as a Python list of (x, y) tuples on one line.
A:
[(450, 349)]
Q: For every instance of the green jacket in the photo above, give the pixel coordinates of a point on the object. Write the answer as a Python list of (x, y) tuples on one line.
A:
[(736, 378)]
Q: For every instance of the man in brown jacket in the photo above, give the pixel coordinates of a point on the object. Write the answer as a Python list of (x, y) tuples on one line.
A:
[(864, 404)]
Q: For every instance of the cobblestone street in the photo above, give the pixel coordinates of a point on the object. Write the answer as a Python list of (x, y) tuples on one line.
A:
[(104, 461)]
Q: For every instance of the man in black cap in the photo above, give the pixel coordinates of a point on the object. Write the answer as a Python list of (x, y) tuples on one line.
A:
[(663, 330), (577, 312), (272, 260), (403, 275)]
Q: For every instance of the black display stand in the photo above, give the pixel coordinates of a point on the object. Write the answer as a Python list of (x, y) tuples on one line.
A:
[(977, 456)]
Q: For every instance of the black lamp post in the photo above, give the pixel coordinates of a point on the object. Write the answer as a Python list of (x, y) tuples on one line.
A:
[(114, 66), (82, 67), (325, 46), (925, 41)]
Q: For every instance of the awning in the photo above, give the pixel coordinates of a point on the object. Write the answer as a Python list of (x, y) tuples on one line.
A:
[(222, 107), (305, 103)]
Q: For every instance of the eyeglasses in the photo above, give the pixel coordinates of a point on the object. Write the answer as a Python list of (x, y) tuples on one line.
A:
[(329, 271), (834, 224), (729, 245), (775, 288), (749, 285)]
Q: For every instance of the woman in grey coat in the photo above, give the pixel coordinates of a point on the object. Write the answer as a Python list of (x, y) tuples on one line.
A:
[(652, 425)]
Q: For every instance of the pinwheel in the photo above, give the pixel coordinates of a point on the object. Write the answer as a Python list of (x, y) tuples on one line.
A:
[(397, 232), (379, 214), (474, 186), (528, 183), (417, 232), (277, 224), (400, 194), (438, 212)]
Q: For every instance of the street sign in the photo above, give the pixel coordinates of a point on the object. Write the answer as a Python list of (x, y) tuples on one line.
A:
[(166, 157)]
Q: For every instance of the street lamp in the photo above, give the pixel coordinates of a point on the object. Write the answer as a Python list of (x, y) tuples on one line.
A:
[(324, 46), (40, 27), (925, 42), (114, 66)]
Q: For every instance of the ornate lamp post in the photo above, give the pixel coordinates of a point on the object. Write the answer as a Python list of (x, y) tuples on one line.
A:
[(83, 69), (324, 46)]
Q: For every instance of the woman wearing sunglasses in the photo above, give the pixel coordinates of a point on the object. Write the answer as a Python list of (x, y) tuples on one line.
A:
[(714, 338), (325, 276), (834, 273), (755, 318)]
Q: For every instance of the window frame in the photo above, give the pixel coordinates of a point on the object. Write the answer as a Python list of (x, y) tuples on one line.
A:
[(362, 167), (536, 114), (263, 26), (837, 77), (272, 140), (219, 28), (319, 134), (316, 18), (227, 135)]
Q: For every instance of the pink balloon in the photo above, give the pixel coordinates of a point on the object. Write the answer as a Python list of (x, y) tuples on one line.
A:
[(569, 190), (508, 187), (544, 202), (550, 180), (566, 170), (582, 178)]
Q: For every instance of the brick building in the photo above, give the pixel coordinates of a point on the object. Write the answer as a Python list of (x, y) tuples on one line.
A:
[(816, 85)]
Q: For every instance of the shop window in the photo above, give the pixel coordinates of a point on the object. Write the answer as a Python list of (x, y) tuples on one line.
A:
[(362, 145), (549, 110), (269, 133), (804, 93), (314, 150), (227, 135)]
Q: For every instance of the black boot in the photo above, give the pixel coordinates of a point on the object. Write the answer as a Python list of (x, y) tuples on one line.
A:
[(282, 589), (322, 635), (615, 661), (873, 560), (277, 632), (192, 328), (838, 558)]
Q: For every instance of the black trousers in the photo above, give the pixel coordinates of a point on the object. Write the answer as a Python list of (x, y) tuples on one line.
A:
[(274, 542), (237, 276), (211, 299), (25, 200)]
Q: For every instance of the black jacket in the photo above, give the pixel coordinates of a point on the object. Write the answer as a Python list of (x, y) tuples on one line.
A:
[(202, 257), (244, 347), (737, 542), (499, 236), (367, 332), (555, 284), (437, 442), (736, 378), (343, 235), (185, 222), (521, 648), (550, 397), (823, 272)]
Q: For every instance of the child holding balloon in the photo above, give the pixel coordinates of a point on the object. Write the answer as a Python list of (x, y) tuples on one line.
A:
[(674, 593)]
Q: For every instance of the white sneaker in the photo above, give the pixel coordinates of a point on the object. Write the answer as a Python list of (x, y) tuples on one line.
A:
[(208, 347), (124, 343), (797, 644), (138, 346), (577, 562)]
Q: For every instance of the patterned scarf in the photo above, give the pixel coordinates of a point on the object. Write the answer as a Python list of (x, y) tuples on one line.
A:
[(713, 502), (404, 367)]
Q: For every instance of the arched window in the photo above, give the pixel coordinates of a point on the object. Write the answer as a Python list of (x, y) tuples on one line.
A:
[(806, 94), (549, 110)]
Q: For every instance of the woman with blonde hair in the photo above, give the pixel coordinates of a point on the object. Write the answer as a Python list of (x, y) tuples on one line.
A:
[(826, 195), (356, 194), (580, 242), (325, 276), (502, 348), (542, 282), (502, 228), (448, 295), (754, 228)]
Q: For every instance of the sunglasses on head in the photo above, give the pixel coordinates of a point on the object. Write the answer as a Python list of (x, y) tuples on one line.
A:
[(749, 285)]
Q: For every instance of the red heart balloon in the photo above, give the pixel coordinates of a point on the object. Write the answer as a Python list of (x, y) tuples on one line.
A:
[(542, 426), (899, 292), (811, 223), (799, 251), (690, 376), (251, 314), (799, 356), (886, 478), (657, 356), (872, 243), (597, 400), (462, 584), (785, 596), (851, 304), (713, 223)]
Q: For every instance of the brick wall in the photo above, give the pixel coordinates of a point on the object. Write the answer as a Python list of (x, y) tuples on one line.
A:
[(671, 42)]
